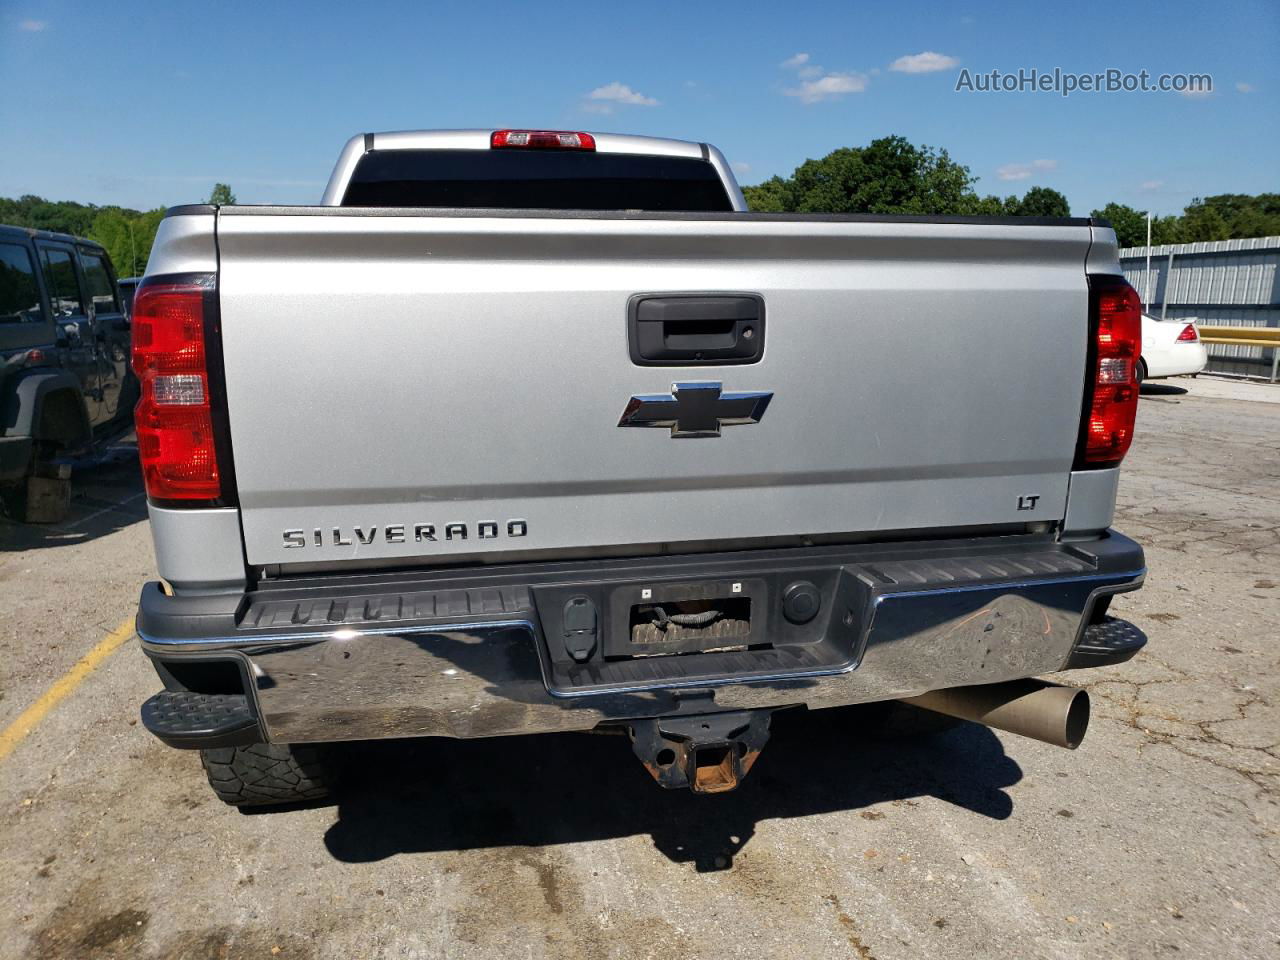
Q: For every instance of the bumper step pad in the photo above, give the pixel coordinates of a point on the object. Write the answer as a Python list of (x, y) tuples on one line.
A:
[(194, 721), (1102, 644)]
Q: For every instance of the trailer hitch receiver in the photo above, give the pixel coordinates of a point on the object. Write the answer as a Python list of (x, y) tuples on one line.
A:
[(708, 753)]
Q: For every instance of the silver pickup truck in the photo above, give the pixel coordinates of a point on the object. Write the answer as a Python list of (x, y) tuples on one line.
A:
[(532, 431)]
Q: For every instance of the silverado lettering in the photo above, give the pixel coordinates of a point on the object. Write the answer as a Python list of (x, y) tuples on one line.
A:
[(401, 533)]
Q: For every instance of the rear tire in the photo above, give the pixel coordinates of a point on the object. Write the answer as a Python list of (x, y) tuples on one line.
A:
[(1142, 372), (265, 774)]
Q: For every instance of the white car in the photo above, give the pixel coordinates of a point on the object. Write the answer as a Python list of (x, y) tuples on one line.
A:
[(1170, 348)]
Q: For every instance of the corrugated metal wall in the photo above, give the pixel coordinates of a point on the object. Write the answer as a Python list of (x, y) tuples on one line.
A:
[(1227, 282)]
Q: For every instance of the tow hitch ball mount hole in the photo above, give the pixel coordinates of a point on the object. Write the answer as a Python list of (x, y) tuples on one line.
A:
[(708, 753)]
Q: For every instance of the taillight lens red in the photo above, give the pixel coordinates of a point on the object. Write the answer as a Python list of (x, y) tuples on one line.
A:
[(1188, 334), (174, 418), (1112, 405), (541, 140)]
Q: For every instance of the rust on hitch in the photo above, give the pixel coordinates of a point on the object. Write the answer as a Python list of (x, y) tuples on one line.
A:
[(708, 753)]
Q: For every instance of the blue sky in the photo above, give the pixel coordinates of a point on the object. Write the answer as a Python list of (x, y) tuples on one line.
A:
[(148, 104)]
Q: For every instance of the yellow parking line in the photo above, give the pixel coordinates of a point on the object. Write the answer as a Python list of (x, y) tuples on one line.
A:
[(27, 720)]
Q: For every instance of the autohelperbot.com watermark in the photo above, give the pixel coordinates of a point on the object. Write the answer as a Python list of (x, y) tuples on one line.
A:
[(1065, 83)]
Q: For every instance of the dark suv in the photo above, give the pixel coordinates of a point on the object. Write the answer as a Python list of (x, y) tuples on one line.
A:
[(65, 384)]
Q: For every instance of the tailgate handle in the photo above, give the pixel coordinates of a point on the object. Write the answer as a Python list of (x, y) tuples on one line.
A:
[(695, 329)]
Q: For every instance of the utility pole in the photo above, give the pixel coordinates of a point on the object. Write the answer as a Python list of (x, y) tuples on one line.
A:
[(1146, 281)]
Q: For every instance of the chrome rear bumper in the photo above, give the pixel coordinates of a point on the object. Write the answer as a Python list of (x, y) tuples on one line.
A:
[(466, 654)]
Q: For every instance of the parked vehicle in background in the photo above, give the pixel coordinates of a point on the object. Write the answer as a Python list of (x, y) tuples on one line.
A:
[(1170, 348), (128, 286), (630, 457), (66, 387)]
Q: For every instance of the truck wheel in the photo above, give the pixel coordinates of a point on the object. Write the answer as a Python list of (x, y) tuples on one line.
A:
[(262, 774)]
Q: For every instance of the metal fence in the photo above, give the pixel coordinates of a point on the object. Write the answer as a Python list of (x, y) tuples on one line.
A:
[(1229, 283)]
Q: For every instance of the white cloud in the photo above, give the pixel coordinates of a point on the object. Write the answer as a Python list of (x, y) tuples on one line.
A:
[(1194, 94), (801, 65), (828, 87), (1013, 171), (33, 26), (1246, 87), (620, 93), (927, 62), (741, 167), (1150, 185), (1023, 171), (818, 83)]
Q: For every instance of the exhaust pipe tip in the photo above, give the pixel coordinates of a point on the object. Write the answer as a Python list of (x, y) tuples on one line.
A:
[(1049, 712), (1076, 723)]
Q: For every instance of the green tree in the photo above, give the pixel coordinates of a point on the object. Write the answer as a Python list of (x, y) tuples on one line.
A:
[(888, 175), (1226, 216), (127, 236), (1129, 224), (990, 206), (772, 196), (222, 195), (1042, 202), (1201, 221), (1244, 215), (61, 216), (145, 229), (891, 175), (1166, 230), (1230, 215), (114, 230)]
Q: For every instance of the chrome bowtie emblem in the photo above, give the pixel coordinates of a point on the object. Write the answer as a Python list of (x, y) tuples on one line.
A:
[(695, 409)]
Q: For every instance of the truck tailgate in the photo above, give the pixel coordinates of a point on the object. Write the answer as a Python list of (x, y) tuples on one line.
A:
[(433, 386)]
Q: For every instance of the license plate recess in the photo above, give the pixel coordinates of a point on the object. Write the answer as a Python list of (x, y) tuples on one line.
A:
[(682, 617)]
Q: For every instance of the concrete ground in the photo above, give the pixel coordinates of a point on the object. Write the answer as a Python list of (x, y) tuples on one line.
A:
[(1159, 837)]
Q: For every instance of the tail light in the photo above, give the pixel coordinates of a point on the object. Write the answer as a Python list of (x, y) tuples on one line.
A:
[(541, 140), (1111, 388), (1188, 334), (175, 416)]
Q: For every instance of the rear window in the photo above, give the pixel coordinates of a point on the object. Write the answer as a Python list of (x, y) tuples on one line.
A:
[(535, 179)]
